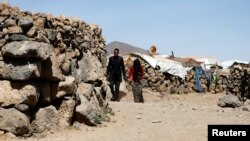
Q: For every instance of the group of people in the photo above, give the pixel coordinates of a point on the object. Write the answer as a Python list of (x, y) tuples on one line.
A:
[(115, 71)]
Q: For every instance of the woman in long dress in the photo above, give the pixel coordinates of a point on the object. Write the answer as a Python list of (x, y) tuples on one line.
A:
[(135, 75)]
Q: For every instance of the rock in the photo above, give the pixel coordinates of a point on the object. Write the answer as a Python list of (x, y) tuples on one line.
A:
[(246, 108), (181, 89), (151, 71), (18, 37), (247, 102), (22, 107), (2, 42), (9, 22), (27, 49), (67, 28), (97, 100), (65, 112), (46, 119), (161, 88), (46, 95), (51, 34), (3, 18), (65, 67), (106, 90), (229, 101), (10, 135), (19, 69), (39, 23), (15, 30), (32, 32), (42, 38), (61, 59), (12, 93), (90, 68), (54, 72), (85, 89), (66, 87), (25, 22), (156, 121), (138, 117), (84, 45), (14, 121), (85, 113), (230, 86)]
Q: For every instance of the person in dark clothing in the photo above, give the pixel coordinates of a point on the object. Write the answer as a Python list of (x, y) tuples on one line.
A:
[(115, 70), (136, 72)]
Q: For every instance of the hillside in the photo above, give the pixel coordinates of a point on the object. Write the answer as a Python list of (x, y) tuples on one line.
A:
[(124, 48)]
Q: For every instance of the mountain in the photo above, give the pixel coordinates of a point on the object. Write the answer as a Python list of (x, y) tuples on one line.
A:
[(124, 48)]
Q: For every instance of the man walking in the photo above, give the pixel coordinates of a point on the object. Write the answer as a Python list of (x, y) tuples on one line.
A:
[(114, 73)]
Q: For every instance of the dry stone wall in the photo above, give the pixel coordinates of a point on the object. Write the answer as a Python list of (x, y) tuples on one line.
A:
[(239, 80), (235, 80), (51, 72)]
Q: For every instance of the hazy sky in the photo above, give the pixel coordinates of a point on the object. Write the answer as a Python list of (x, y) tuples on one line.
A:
[(206, 28)]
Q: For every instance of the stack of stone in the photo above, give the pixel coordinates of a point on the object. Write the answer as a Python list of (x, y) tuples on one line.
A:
[(212, 85), (239, 80), (51, 72), (153, 78), (159, 81)]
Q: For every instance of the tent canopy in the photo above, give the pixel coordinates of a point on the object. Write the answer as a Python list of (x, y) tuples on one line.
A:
[(166, 65)]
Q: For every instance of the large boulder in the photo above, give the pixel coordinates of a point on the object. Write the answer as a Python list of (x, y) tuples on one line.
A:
[(12, 93), (51, 69), (13, 69), (230, 100), (106, 91), (90, 68), (66, 87), (46, 119), (66, 111), (14, 121), (85, 112), (14, 30), (85, 89), (27, 49), (25, 22)]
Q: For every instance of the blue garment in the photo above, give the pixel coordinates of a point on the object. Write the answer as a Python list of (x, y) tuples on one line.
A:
[(198, 73)]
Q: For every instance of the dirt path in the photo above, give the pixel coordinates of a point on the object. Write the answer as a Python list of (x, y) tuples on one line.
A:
[(161, 118)]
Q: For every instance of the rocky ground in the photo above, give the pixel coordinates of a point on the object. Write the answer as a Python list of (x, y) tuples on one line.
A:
[(162, 117)]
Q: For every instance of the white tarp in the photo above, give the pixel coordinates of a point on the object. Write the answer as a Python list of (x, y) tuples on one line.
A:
[(166, 65), (207, 62), (227, 64)]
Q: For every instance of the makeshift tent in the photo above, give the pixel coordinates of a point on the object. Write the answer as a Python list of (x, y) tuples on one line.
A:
[(186, 62), (227, 64), (207, 62), (166, 65)]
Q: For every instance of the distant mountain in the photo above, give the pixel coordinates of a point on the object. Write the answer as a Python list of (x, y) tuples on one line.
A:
[(124, 48)]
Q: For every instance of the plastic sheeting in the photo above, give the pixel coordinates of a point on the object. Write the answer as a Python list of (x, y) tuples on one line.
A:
[(166, 65), (207, 62), (227, 64)]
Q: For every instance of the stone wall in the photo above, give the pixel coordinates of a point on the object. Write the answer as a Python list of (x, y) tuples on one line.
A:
[(235, 80), (239, 80), (51, 72)]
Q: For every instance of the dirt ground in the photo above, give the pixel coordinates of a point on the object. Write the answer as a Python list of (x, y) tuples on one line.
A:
[(162, 117)]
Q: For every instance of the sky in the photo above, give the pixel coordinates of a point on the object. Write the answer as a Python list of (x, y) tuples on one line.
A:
[(198, 28)]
